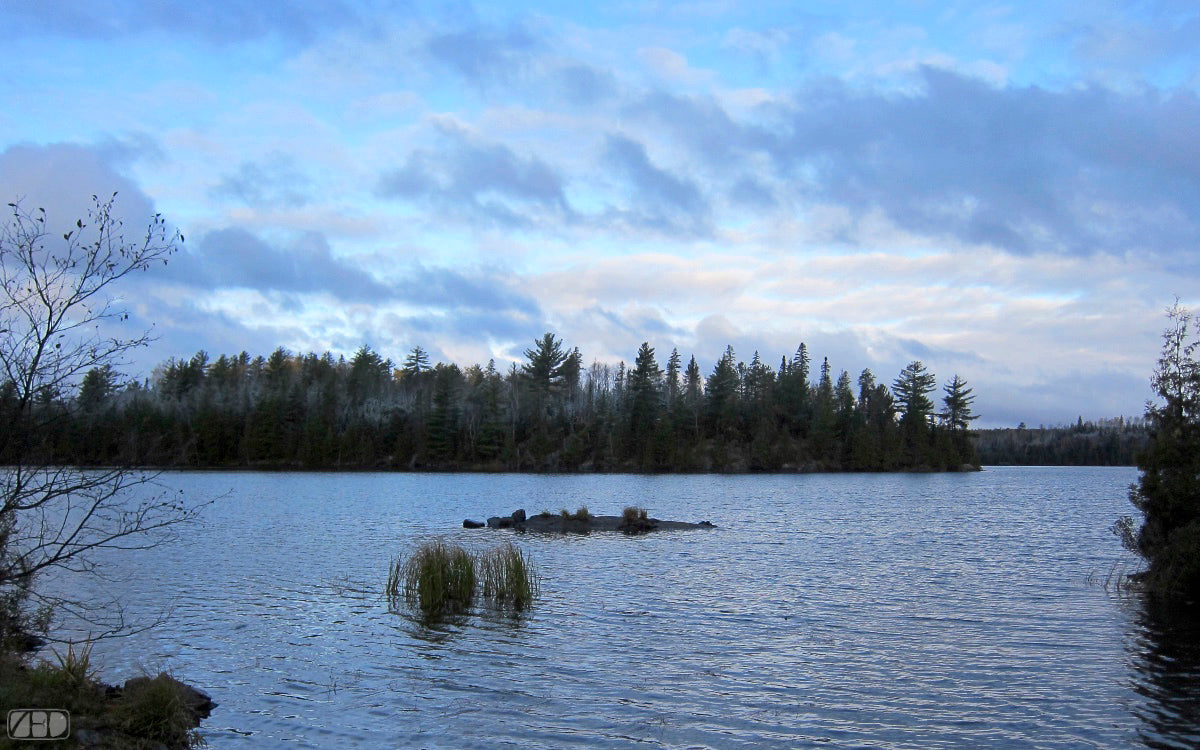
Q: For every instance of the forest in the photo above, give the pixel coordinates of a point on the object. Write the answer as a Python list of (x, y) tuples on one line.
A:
[(549, 413), (1105, 442)]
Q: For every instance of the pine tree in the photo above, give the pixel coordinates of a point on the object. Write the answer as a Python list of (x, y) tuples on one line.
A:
[(912, 389), (957, 418)]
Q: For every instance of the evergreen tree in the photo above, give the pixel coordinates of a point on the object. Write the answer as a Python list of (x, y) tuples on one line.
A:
[(443, 418), (794, 397), (543, 374), (97, 387), (958, 399), (1168, 490), (416, 362), (823, 436), (721, 392), (957, 418), (645, 400), (693, 398), (912, 389), (673, 382)]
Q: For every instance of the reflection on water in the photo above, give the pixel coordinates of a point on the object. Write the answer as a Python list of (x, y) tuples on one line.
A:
[(1165, 656), (882, 611)]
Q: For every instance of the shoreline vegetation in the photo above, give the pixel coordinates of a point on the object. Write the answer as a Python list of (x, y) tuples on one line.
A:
[(144, 712), (551, 414)]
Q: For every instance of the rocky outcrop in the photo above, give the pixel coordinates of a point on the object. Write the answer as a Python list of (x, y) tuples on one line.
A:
[(562, 523)]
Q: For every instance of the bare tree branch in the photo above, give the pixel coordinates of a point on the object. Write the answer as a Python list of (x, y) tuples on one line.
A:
[(56, 308)]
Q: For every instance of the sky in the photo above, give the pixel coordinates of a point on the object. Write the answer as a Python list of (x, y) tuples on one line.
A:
[(1008, 192)]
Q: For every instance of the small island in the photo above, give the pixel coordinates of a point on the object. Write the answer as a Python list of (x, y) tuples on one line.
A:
[(632, 521)]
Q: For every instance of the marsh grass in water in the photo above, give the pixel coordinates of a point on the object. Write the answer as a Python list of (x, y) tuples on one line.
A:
[(439, 579), (508, 578), (442, 579)]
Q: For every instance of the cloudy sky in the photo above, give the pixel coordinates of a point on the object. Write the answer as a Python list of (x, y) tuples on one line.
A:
[(1009, 192)]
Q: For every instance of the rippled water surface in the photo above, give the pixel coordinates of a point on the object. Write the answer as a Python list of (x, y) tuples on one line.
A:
[(865, 611)]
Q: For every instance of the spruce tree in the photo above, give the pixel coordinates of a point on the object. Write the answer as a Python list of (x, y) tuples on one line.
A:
[(1168, 491)]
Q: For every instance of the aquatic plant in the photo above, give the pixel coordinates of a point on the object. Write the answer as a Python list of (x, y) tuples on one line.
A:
[(439, 578), (508, 578)]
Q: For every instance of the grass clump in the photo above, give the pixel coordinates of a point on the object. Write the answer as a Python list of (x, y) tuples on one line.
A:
[(508, 578), (632, 514), (442, 579), (581, 514), (439, 578), (635, 520), (70, 684)]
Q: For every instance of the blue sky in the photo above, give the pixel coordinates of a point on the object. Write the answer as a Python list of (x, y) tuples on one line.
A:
[(1008, 192)]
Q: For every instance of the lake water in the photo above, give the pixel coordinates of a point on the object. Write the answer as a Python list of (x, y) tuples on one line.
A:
[(847, 611)]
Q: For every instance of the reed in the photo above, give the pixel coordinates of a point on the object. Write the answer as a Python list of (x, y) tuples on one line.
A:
[(508, 578), (439, 578)]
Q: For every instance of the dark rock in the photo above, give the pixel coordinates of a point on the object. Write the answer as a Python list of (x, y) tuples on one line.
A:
[(518, 516), (498, 522), (469, 524), (546, 522), (493, 522)]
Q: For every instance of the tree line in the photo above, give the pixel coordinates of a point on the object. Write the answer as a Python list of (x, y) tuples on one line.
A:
[(550, 413), (1105, 442)]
